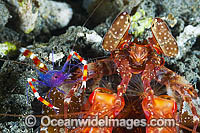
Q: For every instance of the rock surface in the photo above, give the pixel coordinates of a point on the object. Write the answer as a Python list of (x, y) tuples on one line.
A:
[(4, 15)]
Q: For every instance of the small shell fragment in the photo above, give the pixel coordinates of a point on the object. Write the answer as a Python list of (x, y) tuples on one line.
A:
[(116, 32), (164, 37)]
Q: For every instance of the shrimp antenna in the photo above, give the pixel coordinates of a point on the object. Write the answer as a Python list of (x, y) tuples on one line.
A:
[(93, 12), (52, 58)]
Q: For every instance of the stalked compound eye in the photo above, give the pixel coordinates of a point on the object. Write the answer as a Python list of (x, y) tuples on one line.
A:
[(164, 37), (56, 76), (116, 32)]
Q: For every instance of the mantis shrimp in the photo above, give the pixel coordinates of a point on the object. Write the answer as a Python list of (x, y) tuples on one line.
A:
[(133, 57), (130, 57)]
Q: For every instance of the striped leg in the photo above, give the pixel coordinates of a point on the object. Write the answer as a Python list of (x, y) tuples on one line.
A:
[(37, 94), (27, 53), (84, 67), (27, 91)]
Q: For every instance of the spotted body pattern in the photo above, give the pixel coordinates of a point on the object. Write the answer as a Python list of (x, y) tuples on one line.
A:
[(133, 57), (53, 78), (164, 38), (118, 29)]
